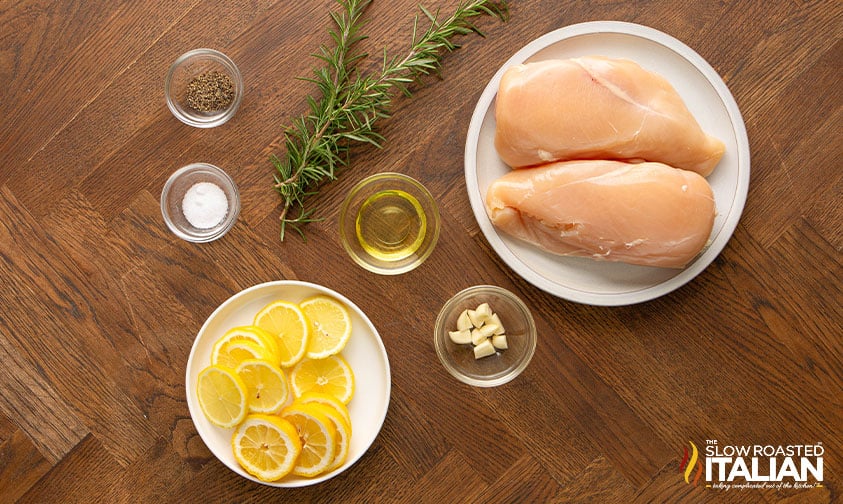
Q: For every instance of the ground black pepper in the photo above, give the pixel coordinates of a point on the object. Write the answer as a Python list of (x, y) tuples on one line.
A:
[(210, 91)]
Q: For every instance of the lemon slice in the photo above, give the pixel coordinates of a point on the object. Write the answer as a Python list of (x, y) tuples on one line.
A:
[(330, 326), (251, 334), (343, 428), (331, 375), (266, 446), (222, 396), (327, 400), (287, 323), (266, 385), (233, 352), (318, 438)]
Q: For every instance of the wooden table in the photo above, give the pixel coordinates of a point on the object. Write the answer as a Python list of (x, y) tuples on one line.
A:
[(101, 302)]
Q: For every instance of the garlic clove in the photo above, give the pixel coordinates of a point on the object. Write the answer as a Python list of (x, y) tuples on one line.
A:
[(460, 337), (484, 349), (482, 314), (475, 318), (495, 320), (477, 336), (463, 321), (499, 341), (486, 330)]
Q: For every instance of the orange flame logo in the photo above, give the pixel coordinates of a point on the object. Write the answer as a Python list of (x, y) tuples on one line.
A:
[(688, 463)]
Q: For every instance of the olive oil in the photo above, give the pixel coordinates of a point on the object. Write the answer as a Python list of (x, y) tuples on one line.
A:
[(391, 225)]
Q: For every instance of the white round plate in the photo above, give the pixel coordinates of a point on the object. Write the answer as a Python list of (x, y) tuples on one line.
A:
[(707, 97), (364, 352)]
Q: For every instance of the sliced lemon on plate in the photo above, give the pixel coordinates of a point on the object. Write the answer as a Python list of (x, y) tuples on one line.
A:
[(342, 441), (328, 400), (331, 375), (318, 438), (252, 334), (222, 396), (330, 326), (233, 352), (266, 385), (288, 324), (266, 446)]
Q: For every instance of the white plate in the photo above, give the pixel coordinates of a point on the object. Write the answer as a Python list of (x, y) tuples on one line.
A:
[(707, 97), (364, 352)]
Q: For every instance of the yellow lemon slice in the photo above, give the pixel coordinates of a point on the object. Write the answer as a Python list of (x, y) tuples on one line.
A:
[(251, 334), (266, 385), (343, 428), (331, 375), (266, 446), (287, 323), (318, 438), (222, 396), (330, 326), (233, 352), (327, 400)]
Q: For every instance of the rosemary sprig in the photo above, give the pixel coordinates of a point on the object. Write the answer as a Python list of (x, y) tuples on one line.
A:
[(318, 142)]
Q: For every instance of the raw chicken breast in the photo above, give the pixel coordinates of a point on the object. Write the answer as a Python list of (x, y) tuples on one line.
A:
[(648, 213), (597, 108)]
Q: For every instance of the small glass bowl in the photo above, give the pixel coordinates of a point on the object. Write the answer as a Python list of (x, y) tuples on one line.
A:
[(504, 365), (173, 194), (190, 66), (389, 223)]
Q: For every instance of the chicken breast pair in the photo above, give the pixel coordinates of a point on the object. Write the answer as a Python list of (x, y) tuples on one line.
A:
[(608, 163)]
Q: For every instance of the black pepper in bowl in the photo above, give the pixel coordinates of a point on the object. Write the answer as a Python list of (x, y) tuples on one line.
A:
[(210, 91)]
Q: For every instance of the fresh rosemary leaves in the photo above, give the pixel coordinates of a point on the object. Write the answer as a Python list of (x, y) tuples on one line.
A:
[(317, 144)]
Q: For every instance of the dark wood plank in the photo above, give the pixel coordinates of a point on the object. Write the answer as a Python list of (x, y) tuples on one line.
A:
[(524, 481), (21, 464), (598, 482), (75, 358), (79, 477), (29, 399)]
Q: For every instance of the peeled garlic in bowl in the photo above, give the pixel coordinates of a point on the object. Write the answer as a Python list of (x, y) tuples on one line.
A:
[(482, 328)]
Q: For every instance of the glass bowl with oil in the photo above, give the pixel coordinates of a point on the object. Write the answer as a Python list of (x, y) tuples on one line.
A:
[(389, 223)]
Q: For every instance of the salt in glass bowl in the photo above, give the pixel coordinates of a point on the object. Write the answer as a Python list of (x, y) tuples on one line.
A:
[(504, 365), (389, 223), (191, 65), (172, 198)]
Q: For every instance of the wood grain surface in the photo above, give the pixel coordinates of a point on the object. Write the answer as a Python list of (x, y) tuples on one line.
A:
[(100, 302)]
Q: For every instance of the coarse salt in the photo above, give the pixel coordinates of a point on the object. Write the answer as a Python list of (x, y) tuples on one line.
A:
[(204, 205)]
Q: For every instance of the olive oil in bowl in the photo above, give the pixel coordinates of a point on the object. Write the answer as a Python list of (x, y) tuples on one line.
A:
[(389, 223)]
